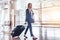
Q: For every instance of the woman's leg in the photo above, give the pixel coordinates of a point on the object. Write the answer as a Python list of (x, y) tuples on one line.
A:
[(30, 27), (26, 30)]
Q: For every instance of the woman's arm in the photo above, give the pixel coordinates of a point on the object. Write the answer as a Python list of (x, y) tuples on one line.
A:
[(26, 15), (32, 13)]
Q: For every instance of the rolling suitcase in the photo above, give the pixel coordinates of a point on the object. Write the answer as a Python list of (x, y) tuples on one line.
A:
[(18, 30)]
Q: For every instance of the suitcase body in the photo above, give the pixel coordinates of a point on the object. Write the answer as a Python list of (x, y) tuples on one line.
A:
[(18, 30)]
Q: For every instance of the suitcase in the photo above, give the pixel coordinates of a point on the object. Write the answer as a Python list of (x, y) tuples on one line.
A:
[(18, 30)]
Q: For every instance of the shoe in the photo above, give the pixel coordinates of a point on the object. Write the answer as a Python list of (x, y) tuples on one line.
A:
[(25, 36), (34, 37)]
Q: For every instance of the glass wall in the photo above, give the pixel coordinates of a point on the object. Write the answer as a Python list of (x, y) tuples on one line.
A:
[(50, 19)]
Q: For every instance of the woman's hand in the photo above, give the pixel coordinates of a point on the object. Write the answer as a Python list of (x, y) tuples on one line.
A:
[(25, 22)]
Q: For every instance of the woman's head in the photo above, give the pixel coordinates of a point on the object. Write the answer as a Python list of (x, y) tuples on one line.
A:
[(29, 5)]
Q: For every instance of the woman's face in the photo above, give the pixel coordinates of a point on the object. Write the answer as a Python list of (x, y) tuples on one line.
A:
[(30, 5)]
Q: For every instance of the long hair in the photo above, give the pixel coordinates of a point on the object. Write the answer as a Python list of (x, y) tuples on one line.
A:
[(29, 4)]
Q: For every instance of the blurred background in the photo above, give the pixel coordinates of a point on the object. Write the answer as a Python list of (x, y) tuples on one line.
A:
[(46, 15)]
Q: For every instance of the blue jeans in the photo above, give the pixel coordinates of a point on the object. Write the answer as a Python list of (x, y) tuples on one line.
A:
[(29, 27)]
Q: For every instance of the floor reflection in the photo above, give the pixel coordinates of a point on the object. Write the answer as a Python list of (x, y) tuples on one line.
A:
[(48, 33), (4, 35)]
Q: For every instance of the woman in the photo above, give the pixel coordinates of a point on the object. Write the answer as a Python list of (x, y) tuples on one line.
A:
[(29, 20)]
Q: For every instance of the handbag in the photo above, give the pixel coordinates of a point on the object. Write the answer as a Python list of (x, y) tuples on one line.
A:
[(32, 21)]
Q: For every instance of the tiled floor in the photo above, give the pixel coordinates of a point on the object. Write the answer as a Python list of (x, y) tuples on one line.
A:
[(52, 33), (35, 32)]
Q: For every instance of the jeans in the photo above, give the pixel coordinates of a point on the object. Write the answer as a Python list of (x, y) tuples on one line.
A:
[(29, 27)]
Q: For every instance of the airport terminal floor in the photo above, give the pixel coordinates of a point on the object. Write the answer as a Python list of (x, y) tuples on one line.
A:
[(46, 17)]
